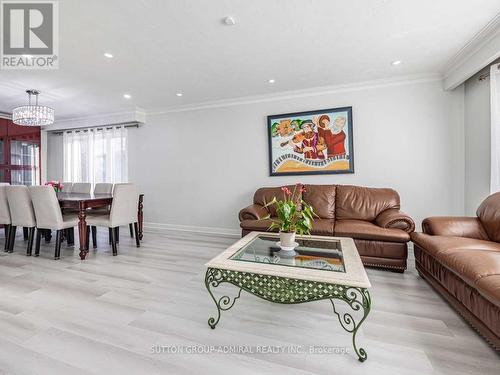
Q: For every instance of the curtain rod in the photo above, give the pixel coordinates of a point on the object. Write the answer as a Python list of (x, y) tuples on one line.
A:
[(77, 130), (485, 75)]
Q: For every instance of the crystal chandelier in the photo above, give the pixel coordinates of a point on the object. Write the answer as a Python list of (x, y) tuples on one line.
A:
[(33, 115)]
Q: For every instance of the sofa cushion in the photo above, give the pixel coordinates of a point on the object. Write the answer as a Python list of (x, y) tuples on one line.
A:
[(322, 199), (489, 287), (256, 225), (477, 262), (362, 203), (360, 229), (321, 227), (438, 246), (489, 214), (465, 298), (266, 194), (471, 265)]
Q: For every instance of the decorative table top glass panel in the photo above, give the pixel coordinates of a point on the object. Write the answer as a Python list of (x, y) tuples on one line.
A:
[(333, 260), (311, 253)]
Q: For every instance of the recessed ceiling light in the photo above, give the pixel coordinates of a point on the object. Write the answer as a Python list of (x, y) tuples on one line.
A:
[(230, 21), (108, 55), (179, 94), (127, 96), (272, 81), (396, 62)]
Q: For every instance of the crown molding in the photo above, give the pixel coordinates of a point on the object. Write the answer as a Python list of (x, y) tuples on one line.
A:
[(482, 49), (316, 91), (139, 115)]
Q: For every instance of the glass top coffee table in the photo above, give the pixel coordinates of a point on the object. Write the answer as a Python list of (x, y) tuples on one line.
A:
[(321, 268)]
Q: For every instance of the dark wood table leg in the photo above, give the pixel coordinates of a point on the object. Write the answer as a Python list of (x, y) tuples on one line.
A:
[(82, 231), (140, 216)]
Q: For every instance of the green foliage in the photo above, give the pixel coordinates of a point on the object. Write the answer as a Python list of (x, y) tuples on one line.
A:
[(293, 215)]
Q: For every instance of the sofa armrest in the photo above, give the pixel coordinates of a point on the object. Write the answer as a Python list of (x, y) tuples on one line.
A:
[(253, 212), (393, 218), (469, 227)]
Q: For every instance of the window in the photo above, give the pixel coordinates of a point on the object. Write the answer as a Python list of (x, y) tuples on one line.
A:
[(96, 155)]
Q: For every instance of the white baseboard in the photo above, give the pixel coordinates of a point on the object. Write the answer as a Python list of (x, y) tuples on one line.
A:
[(162, 228)]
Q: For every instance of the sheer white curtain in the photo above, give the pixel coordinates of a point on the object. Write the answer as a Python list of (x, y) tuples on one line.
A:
[(96, 155), (495, 128)]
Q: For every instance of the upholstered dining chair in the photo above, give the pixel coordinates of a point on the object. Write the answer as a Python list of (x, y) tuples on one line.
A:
[(67, 187), (5, 213), (123, 211), (81, 188), (49, 216), (21, 214), (103, 188)]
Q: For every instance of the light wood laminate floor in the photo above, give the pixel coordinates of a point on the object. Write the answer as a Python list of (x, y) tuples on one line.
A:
[(104, 315)]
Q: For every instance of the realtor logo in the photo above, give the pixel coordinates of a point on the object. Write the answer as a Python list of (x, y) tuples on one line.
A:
[(29, 35)]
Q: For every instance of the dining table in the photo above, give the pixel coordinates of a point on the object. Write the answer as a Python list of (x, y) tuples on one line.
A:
[(82, 203)]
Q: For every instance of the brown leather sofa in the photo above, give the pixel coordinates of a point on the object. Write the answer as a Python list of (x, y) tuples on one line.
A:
[(460, 258), (369, 215)]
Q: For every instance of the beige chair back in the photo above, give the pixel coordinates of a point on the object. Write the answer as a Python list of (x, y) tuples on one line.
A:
[(103, 188), (124, 206), (21, 208), (4, 205), (67, 187), (81, 188), (46, 206)]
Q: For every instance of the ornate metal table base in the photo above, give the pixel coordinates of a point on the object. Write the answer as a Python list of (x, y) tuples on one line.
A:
[(292, 291)]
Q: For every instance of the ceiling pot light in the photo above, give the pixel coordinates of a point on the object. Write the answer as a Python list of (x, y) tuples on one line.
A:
[(179, 94), (272, 81), (33, 115), (108, 55), (230, 21), (396, 62), (127, 96)]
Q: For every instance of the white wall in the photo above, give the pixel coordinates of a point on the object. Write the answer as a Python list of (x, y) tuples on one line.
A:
[(477, 141), (200, 167)]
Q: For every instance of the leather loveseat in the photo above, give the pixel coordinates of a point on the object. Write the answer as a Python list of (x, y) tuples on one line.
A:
[(369, 215), (460, 258)]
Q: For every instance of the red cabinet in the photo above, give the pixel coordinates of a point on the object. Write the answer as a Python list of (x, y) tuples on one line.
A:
[(19, 153)]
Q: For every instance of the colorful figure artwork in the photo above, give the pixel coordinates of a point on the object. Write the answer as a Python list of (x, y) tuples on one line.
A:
[(315, 142)]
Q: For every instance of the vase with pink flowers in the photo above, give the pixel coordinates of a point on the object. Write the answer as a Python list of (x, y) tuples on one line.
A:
[(293, 216), (57, 185)]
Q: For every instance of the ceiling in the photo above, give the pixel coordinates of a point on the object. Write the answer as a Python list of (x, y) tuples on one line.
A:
[(161, 48)]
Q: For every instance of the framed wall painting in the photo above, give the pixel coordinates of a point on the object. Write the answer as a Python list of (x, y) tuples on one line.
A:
[(313, 142)]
